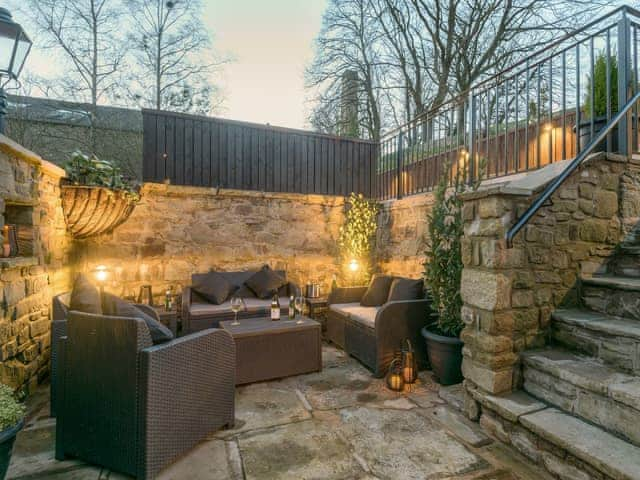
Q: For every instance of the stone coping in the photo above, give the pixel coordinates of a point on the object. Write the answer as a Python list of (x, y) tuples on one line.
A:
[(528, 183), (193, 191), (15, 149)]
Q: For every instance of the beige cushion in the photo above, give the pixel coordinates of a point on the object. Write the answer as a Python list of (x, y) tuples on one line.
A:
[(358, 313), (253, 305)]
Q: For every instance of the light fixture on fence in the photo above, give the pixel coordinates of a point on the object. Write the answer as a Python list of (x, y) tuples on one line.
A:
[(547, 127), (14, 48), (101, 274), (353, 265)]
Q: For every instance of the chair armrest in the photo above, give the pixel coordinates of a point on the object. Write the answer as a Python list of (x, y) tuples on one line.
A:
[(185, 309), (398, 321), (346, 294), (186, 386), (149, 310)]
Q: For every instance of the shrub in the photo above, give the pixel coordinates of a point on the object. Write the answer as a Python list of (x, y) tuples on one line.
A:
[(443, 264), (11, 411), (599, 81), (89, 170), (358, 234)]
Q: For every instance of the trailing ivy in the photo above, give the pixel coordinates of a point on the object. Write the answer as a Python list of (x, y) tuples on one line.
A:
[(358, 233), (89, 170)]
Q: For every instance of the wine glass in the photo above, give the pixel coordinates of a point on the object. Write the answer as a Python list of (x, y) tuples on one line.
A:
[(236, 306), (299, 303)]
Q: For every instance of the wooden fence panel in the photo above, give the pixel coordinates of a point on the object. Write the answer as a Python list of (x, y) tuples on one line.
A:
[(212, 152)]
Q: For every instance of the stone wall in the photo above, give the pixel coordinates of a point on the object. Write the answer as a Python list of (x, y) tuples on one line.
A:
[(176, 231), (402, 235), (509, 294), (30, 196)]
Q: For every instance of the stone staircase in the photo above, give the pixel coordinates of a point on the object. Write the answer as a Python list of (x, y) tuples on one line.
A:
[(590, 373)]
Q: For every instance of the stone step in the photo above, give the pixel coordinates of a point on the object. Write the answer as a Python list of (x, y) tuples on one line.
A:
[(613, 340), (610, 455), (626, 261), (586, 388), (612, 294)]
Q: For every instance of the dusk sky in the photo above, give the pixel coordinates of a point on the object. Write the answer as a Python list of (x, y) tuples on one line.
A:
[(271, 42)]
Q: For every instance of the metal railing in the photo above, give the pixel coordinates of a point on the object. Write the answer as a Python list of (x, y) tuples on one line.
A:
[(546, 108)]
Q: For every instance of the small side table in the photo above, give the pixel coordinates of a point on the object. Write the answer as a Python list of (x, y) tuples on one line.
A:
[(168, 317), (318, 309)]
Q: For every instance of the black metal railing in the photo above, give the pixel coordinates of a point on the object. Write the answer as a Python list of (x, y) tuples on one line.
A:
[(546, 108)]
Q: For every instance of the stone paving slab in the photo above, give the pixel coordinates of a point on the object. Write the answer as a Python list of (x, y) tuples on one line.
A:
[(339, 423)]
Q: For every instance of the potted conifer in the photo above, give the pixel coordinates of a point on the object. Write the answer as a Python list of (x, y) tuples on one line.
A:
[(11, 422), (443, 271)]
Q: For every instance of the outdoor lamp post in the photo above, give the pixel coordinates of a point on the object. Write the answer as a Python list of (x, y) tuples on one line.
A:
[(14, 48)]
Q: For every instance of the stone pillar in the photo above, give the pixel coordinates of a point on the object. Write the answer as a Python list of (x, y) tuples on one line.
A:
[(497, 312)]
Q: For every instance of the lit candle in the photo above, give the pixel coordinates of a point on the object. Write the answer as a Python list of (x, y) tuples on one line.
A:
[(6, 246)]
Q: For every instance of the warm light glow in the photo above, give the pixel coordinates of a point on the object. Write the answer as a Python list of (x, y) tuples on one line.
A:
[(101, 273), (547, 127), (353, 265)]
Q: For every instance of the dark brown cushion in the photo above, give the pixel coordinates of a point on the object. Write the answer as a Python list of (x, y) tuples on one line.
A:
[(406, 289), (214, 288), (117, 307), (85, 297), (378, 291), (265, 282)]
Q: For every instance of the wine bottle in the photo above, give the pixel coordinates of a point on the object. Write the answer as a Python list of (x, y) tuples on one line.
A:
[(275, 308), (292, 308), (334, 282)]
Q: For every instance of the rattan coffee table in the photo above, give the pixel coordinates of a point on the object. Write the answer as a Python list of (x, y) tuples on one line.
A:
[(267, 349)]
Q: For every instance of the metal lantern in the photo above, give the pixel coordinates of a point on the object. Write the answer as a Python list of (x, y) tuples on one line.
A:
[(14, 48), (409, 364), (395, 379)]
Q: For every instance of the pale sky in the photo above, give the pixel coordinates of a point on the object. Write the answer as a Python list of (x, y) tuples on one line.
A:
[(271, 42)]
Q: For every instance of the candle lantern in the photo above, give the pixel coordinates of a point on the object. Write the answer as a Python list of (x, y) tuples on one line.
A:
[(145, 295), (409, 364), (395, 379)]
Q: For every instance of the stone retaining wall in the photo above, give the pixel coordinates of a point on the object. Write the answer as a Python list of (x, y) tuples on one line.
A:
[(509, 294), (30, 186), (176, 231), (402, 235)]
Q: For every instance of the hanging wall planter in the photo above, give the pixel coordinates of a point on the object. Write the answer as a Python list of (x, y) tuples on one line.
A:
[(95, 197)]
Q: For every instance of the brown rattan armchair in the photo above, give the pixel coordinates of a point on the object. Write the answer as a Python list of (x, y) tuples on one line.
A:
[(375, 341), (133, 407)]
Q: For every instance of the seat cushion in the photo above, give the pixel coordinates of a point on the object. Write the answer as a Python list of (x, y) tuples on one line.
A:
[(214, 288), (265, 283), (378, 291), (253, 305), (406, 289), (85, 297), (358, 313), (117, 307)]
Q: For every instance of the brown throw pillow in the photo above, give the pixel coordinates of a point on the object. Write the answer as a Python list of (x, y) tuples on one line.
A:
[(378, 291), (214, 288), (117, 307), (406, 289), (265, 282), (85, 297)]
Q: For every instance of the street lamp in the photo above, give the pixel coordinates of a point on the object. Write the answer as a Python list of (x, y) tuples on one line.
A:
[(14, 48)]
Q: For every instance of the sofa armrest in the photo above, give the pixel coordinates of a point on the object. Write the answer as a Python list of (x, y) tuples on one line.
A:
[(398, 321), (149, 310), (187, 386), (346, 294)]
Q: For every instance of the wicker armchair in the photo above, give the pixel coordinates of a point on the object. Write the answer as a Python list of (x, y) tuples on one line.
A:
[(376, 344), (133, 407)]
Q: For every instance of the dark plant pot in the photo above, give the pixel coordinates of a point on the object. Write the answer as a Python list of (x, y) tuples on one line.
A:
[(445, 357), (584, 134), (7, 439)]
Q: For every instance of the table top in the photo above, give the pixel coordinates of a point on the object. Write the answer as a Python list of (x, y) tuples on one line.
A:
[(317, 300), (266, 326)]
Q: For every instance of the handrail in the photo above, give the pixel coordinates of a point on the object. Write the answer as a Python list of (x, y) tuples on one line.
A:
[(575, 163), (461, 97)]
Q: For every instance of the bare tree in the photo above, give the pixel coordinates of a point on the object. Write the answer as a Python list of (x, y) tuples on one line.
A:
[(169, 44), (87, 33), (346, 43)]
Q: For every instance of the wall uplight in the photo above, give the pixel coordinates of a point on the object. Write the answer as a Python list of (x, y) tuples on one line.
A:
[(101, 274), (353, 265)]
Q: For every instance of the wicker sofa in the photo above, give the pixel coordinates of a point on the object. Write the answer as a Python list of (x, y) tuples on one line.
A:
[(374, 335), (134, 407), (198, 314)]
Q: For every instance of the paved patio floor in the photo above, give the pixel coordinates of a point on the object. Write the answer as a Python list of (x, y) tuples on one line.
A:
[(337, 424)]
